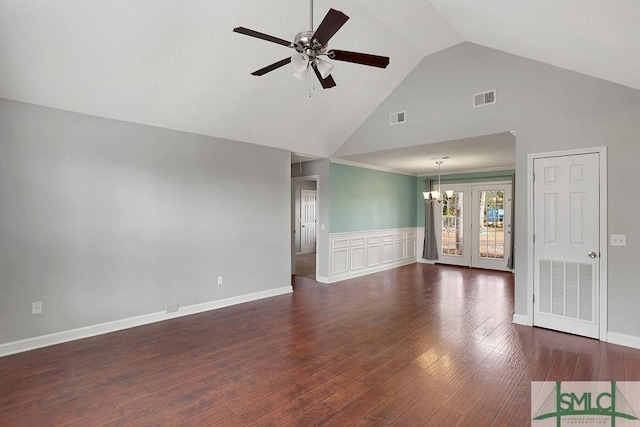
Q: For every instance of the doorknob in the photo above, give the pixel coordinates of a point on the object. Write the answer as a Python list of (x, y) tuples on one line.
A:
[(592, 254)]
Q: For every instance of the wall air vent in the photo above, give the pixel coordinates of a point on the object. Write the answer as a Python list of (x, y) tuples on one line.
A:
[(397, 118), (484, 98)]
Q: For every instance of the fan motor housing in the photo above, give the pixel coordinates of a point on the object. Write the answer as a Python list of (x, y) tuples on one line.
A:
[(304, 43)]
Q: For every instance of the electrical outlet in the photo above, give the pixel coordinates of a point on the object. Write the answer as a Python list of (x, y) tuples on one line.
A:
[(172, 308), (219, 280), (36, 307), (618, 240)]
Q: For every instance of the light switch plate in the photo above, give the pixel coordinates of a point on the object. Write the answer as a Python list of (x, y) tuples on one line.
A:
[(618, 240)]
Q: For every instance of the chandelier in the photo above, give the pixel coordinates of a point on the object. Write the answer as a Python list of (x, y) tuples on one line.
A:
[(437, 195)]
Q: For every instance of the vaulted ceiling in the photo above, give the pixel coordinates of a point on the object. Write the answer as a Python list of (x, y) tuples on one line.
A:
[(178, 65)]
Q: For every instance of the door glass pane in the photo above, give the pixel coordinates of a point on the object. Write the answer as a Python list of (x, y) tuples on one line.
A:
[(491, 221), (452, 234)]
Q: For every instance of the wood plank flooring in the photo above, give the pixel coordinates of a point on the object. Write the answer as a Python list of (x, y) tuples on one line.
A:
[(418, 345), (306, 265)]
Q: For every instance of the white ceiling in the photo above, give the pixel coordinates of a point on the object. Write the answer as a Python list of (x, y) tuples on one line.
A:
[(178, 65), (485, 153)]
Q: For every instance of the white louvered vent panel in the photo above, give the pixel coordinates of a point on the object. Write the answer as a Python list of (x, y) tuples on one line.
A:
[(557, 288), (545, 286), (484, 98), (571, 290), (586, 291), (397, 118), (567, 289)]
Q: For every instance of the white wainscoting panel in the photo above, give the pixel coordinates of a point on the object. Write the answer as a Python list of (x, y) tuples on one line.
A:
[(387, 253), (411, 248), (364, 252), (400, 250), (373, 252), (340, 260), (358, 256)]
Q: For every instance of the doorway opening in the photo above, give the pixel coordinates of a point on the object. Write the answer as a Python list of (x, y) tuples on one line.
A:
[(304, 218)]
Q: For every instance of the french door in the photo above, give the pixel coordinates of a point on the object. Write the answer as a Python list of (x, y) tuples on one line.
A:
[(473, 227), (453, 226), (491, 213)]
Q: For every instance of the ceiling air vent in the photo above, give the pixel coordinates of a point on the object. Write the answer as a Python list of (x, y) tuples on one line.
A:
[(484, 98), (397, 118)]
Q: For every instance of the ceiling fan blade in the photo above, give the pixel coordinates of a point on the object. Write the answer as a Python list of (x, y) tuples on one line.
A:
[(269, 68), (359, 58), (327, 83), (258, 35), (332, 22)]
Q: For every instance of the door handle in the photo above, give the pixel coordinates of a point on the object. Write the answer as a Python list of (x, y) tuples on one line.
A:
[(592, 254)]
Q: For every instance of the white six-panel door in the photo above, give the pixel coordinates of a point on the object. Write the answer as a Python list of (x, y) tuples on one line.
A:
[(566, 243), (308, 221)]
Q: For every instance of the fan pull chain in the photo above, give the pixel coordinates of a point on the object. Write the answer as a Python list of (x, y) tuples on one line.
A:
[(312, 86)]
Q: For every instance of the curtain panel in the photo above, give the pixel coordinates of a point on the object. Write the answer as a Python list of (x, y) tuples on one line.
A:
[(430, 247)]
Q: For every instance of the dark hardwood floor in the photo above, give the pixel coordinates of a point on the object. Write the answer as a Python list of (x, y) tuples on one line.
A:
[(418, 345), (306, 265)]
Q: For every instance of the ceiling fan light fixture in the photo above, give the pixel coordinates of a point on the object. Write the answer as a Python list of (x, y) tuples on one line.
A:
[(300, 62), (309, 45), (324, 67), (302, 75), (438, 195)]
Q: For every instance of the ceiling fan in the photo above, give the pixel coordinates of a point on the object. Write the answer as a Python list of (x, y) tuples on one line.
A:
[(311, 45)]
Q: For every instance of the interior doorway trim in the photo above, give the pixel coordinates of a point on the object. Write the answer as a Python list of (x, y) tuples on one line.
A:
[(315, 178), (602, 151)]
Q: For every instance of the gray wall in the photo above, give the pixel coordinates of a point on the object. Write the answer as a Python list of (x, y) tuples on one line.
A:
[(437, 97), (551, 109), (319, 168), (103, 220), (620, 132)]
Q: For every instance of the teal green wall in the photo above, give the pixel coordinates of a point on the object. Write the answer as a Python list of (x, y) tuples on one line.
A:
[(364, 199), (460, 178)]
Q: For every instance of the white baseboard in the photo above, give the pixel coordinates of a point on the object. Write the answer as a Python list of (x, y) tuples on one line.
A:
[(612, 337), (622, 339), (364, 272), (425, 261), (117, 325), (322, 279), (520, 319)]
